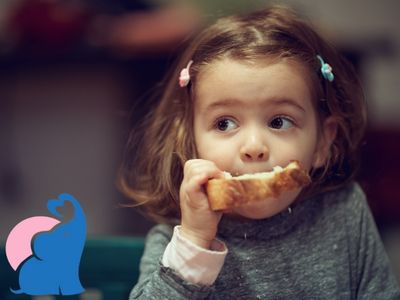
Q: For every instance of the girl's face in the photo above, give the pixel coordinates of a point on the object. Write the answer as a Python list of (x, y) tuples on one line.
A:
[(251, 117)]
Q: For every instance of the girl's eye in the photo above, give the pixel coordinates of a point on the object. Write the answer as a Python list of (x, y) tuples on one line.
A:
[(225, 124), (281, 123)]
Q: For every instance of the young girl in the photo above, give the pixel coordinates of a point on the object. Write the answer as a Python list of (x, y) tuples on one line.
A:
[(253, 92)]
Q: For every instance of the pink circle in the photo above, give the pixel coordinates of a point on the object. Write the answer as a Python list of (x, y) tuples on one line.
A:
[(18, 244)]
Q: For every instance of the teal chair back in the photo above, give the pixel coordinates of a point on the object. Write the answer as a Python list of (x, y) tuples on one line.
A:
[(109, 269)]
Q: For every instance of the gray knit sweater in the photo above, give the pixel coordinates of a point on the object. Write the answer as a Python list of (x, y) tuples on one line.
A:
[(328, 247)]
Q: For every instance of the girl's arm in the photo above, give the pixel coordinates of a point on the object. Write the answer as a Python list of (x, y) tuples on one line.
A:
[(193, 263), (186, 267), (157, 281)]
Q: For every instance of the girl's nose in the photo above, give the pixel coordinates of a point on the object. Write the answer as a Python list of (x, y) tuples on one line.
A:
[(254, 150)]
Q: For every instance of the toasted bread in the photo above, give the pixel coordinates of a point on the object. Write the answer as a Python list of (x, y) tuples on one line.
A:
[(232, 192)]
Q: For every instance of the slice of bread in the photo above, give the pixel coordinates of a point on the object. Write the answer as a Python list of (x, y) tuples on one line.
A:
[(236, 191)]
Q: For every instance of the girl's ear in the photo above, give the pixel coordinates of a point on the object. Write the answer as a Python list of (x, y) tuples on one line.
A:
[(328, 135)]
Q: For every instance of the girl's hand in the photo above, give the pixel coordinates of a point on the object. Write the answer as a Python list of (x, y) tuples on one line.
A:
[(199, 222)]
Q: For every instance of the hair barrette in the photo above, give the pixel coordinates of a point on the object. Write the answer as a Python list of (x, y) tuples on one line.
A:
[(326, 70), (184, 77)]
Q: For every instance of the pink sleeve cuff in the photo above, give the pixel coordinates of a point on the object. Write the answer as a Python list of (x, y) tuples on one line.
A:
[(193, 263)]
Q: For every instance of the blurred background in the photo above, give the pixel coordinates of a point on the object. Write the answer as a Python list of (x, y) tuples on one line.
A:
[(75, 76)]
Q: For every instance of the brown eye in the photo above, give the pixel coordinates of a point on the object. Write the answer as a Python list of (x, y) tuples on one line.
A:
[(281, 123), (225, 124)]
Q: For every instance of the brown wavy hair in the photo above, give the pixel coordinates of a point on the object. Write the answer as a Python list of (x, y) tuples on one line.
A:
[(156, 151)]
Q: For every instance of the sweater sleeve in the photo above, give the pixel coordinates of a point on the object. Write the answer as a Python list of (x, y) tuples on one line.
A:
[(159, 282), (192, 262), (373, 277)]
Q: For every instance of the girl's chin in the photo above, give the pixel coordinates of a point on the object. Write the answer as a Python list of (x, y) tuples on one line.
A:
[(266, 208)]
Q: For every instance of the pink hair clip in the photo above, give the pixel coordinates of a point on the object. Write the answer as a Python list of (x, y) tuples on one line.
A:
[(184, 77)]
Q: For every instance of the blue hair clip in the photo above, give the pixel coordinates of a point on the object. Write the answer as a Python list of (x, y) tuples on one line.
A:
[(326, 70)]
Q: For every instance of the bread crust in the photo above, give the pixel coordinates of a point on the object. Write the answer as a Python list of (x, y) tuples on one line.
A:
[(233, 192)]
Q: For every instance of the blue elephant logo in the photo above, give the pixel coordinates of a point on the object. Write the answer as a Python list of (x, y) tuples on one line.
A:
[(53, 266)]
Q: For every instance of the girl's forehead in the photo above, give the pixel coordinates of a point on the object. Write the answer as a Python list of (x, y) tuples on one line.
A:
[(222, 64), (264, 75)]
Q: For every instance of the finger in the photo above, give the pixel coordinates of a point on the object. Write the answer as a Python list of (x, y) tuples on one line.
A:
[(196, 183), (199, 166)]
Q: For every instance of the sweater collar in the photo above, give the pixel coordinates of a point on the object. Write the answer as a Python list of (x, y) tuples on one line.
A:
[(279, 224)]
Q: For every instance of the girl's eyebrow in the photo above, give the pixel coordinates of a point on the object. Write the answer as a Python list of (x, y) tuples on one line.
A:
[(268, 102), (223, 103), (287, 101)]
